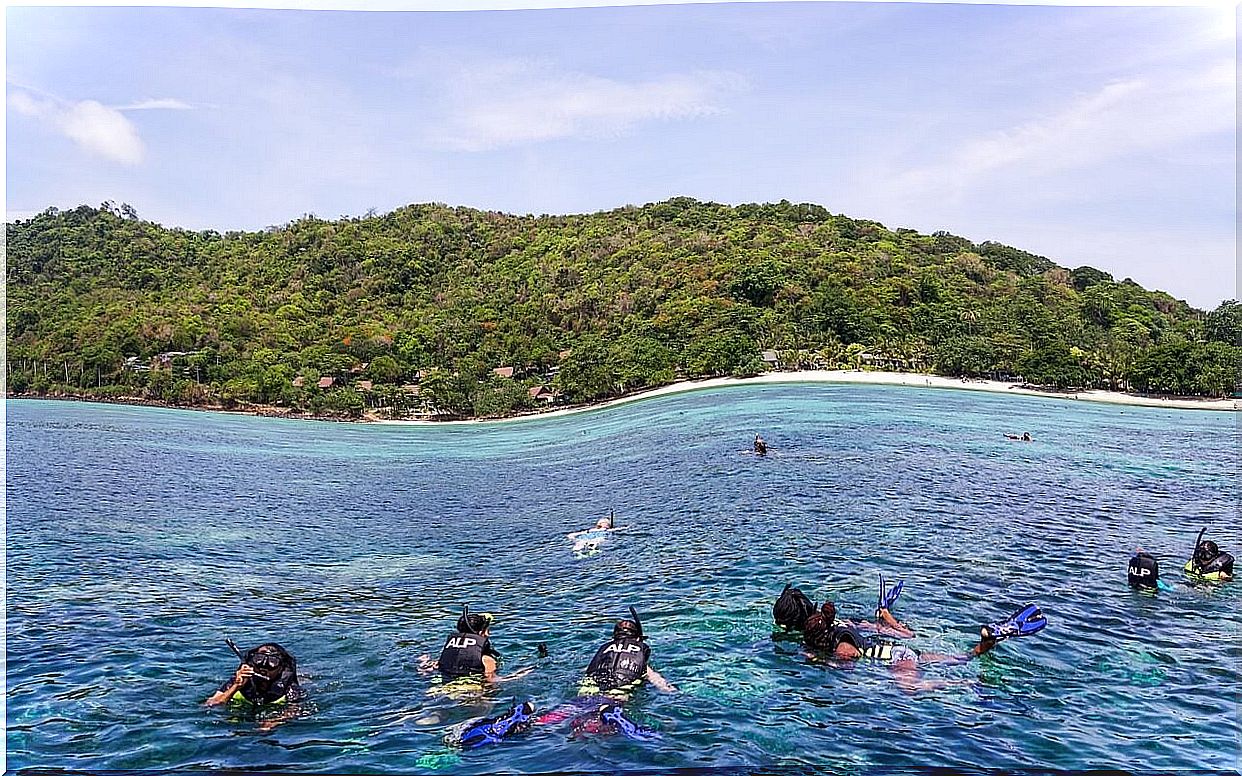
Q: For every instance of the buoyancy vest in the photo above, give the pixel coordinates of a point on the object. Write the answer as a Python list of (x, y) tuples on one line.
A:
[(845, 634), (284, 688), (619, 663), (1221, 564), (463, 653)]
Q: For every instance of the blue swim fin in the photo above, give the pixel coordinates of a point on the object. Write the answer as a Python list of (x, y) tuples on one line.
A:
[(494, 729), (1027, 620), (611, 714), (888, 597)]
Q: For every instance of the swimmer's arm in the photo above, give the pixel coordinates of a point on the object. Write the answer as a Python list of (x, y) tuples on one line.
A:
[(244, 672), (658, 681), (425, 664), (496, 678)]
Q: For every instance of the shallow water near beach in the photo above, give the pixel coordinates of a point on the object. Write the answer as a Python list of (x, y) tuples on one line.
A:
[(139, 539)]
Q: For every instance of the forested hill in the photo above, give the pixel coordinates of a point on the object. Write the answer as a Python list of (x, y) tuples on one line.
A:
[(415, 310)]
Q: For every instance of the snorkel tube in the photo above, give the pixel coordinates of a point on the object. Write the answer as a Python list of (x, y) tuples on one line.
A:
[(638, 622), (236, 651), (465, 619), (1198, 541)]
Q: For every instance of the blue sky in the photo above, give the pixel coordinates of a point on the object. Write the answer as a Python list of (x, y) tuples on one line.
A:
[(1101, 136)]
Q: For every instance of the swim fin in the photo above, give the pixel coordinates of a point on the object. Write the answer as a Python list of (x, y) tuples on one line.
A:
[(888, 597), (1027, 620), (611, 714), (494, 729)]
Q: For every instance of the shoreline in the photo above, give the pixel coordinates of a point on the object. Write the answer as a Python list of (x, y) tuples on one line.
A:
[(857, 377), (839, 376)]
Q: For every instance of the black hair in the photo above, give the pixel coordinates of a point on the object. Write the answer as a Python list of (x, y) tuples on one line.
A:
[(792, 608)]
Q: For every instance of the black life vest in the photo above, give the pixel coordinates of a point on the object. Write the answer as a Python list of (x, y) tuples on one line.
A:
[(1143, 571), (1223, 563), (463, 654), (844, 634), (619, 663)]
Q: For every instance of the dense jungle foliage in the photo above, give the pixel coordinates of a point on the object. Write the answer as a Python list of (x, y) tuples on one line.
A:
[(413, 310)]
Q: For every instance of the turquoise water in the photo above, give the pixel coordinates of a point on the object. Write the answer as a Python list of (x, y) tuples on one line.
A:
[(138, 539)]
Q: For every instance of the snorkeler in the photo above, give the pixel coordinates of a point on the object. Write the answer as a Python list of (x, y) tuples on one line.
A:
[(267, 677), (1143, 573), (603, 524), (1026, 436), (845, 643), (616, 670), (621, 665), (587, 542), (761, 447), (793, 607), (468, 660), (1209, 562)]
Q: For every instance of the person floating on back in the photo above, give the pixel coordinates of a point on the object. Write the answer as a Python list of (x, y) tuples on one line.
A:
[(1209, 562)]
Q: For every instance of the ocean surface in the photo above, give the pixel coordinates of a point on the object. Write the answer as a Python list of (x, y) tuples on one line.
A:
[(138, 539)]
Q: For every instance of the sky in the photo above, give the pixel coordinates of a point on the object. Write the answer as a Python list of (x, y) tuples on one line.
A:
[(1101, 136)]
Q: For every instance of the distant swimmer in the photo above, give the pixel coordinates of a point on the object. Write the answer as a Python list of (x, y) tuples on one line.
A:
[(1208, 562), (1026, 437), (587, 542), (761, 447), (267, 678)]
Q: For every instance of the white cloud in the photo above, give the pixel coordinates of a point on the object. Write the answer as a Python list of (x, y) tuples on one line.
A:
[(102, 130), (1118, 119), (94, 127), (161, 104), (501, 103)]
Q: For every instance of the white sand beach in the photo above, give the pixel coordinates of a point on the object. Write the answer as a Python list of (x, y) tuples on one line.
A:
[(873, 378)]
